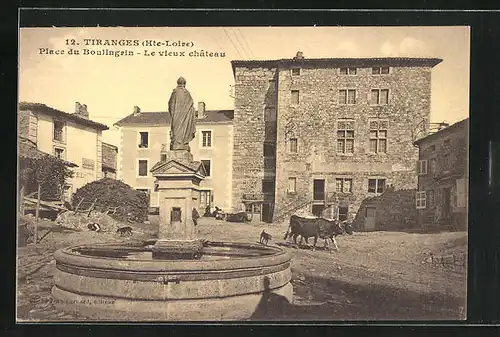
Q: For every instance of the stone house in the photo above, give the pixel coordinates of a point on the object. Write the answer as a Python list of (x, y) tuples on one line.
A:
[(145, 138), (322, 135), (109, 160), (72, 137), (442, 196)]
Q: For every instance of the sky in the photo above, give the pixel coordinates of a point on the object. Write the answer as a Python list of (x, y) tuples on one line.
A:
[(111, 86)]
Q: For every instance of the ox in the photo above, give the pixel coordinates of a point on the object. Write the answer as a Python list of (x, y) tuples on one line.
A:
[(317, 228)]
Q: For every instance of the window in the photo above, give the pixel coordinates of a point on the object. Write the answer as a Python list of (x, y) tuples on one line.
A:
[(376, 185), (205, 199), (292, 184), (88, 164), (378, 136), (269, 150), (347, 96), (143, 168), (268, 186), (293, 145), (206, 138), (59, 131), (295, 71), (295, 97), (59, 152), (345, 137), (348, 71), (344, 185), (206, 165), (143, 140), (380, 70), (420, 200), (379, 97), (422, 167)]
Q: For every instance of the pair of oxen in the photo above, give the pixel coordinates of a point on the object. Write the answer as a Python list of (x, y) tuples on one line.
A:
[(316, 228)]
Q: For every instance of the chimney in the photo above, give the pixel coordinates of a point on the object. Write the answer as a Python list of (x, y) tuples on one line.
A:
[(201, 110), (137, 110), (81, 110), (299, 56)]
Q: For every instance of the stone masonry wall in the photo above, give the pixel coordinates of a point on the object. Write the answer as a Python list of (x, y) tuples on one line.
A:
[(109, 156), (254, 91), (314, 123), (452, 174), (28, 125), (395, 210)]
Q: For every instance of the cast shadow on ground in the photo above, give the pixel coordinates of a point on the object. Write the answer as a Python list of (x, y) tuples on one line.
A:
[(338, 300)]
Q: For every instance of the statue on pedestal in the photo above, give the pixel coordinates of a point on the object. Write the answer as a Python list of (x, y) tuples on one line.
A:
[(182, 115)]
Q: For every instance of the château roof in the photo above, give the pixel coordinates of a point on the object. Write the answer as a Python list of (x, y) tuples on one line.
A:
[(329, 62)]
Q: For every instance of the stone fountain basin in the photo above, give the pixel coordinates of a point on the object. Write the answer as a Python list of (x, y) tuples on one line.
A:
[(123, 282)]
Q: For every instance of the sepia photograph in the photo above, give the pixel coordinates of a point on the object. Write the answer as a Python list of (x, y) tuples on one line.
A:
[(187, 174)]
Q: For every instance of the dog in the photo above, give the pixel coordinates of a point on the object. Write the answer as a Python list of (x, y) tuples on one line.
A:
[(265, 237), (124, 231), (94, 227)]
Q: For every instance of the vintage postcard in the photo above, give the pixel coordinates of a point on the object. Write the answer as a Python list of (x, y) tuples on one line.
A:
[(242, 174)]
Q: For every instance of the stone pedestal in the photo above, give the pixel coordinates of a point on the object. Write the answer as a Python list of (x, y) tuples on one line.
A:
[(178, 180)]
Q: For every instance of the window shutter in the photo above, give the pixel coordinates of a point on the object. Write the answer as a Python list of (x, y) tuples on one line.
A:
[(461, 192)]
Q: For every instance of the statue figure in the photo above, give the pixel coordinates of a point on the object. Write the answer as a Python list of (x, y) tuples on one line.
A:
[(182, 116)]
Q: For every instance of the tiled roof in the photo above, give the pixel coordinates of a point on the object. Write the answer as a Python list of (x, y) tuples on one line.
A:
[(442, 132), (39, 107), (163, 118), (28, 149), (382, 61)]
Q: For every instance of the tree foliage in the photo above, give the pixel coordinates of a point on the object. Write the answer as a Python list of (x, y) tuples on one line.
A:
[(132, 204), (48, 171)]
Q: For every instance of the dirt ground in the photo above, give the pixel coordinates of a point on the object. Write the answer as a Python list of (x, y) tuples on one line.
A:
[(374, 276)]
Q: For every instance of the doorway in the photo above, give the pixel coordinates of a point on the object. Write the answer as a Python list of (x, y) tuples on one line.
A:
[(343, 212), (267, 214), (370, 217), (319, 189), (317, 210)]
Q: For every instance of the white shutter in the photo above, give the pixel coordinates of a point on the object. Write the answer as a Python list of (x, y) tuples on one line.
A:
[(420, 200)]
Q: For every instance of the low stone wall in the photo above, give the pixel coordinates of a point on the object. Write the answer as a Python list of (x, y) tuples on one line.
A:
[(395, 210)]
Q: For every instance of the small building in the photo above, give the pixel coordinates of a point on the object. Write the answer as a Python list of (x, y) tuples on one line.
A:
[(109, 159), (145, 139), (72, 137), (442, 196)]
